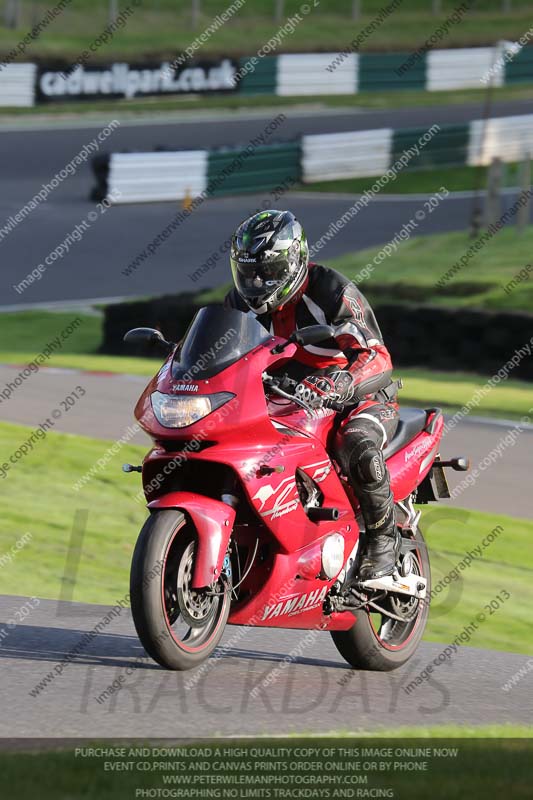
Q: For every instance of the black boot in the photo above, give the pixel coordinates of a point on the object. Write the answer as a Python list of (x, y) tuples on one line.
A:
[(379, 556), (381, 543)]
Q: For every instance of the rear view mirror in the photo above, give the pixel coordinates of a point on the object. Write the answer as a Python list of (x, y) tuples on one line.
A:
[(312, 335), (148, 336)]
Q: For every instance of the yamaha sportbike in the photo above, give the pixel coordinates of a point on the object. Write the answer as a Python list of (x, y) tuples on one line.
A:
[(251, 520)]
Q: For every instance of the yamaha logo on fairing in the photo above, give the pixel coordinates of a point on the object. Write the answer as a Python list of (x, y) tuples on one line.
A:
[(185, 387), (296, 604)]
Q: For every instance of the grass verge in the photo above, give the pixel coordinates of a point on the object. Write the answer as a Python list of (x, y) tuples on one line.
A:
[(363, 101), (413, 271), (59, 460), (167, 29), (454, 770), (455, 179)]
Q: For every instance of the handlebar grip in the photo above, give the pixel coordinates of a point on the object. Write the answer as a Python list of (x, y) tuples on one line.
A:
[(334, 405)]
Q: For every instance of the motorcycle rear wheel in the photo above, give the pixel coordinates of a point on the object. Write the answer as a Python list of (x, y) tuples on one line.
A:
[(178, 627), (377, 642)]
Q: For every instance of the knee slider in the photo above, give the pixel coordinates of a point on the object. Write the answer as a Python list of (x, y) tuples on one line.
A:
[(369, 463)]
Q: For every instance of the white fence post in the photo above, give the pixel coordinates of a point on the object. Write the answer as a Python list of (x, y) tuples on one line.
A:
[(113, 10), (12, 13), (195, 14)]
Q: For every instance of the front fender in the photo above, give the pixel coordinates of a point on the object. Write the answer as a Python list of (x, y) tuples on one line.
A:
[(213, 521)]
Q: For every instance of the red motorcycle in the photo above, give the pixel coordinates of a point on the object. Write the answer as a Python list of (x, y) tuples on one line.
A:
[(251, 520)]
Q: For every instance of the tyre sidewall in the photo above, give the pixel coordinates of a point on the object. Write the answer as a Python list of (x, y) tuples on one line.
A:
[(147, 574)]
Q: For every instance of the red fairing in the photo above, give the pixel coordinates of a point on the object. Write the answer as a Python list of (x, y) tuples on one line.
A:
[(214, 522), (409, 466)]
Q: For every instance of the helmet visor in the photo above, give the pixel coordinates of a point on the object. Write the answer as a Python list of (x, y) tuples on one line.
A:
[(258, 280)]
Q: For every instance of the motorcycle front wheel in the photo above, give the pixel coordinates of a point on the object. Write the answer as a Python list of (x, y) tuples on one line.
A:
[(179, 627), (380, 642)]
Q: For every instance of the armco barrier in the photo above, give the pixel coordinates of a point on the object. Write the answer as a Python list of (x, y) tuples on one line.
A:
[(417, 335), (344, 155), (160, 176), (507, 138), (234, 170), (148, 177), (17, 85), (287, 75)]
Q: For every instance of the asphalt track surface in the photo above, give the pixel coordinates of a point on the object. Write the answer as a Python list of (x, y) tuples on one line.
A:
[(316, 692), (93, 266)]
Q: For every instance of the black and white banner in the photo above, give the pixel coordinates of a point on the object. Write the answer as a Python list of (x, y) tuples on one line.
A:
[(122, 80)]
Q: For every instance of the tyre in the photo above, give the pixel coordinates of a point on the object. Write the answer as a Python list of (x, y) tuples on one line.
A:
[(178, 626), (377, 642)]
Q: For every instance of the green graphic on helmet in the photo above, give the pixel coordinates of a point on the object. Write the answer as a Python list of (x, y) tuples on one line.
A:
[(269, 259)]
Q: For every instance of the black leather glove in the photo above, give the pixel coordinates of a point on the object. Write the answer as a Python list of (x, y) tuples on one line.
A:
[(336, 385)]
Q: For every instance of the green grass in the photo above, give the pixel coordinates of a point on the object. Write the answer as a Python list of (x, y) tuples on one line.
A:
[(59, 460), (506, 563), (480, 284), (165, 27), (455, 179), (421, 181), (453, 732), (24, 334), (511, 399), (363, 101), (54, 465), (479, 768)]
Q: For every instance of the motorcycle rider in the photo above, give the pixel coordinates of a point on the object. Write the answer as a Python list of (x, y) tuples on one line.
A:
[(275, 281)]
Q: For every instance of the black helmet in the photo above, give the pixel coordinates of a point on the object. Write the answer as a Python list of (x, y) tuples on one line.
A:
[(269, 258)]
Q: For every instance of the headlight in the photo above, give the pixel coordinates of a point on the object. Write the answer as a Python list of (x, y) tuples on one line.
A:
[(179, 411), (332, 555)]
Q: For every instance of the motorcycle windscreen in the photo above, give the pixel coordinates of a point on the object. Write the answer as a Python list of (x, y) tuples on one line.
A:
[(216, 338)]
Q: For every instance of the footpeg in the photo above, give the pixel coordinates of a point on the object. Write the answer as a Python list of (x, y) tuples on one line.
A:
[(412, 585)]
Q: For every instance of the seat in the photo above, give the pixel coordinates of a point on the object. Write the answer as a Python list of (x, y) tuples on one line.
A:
[(412, 421)]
